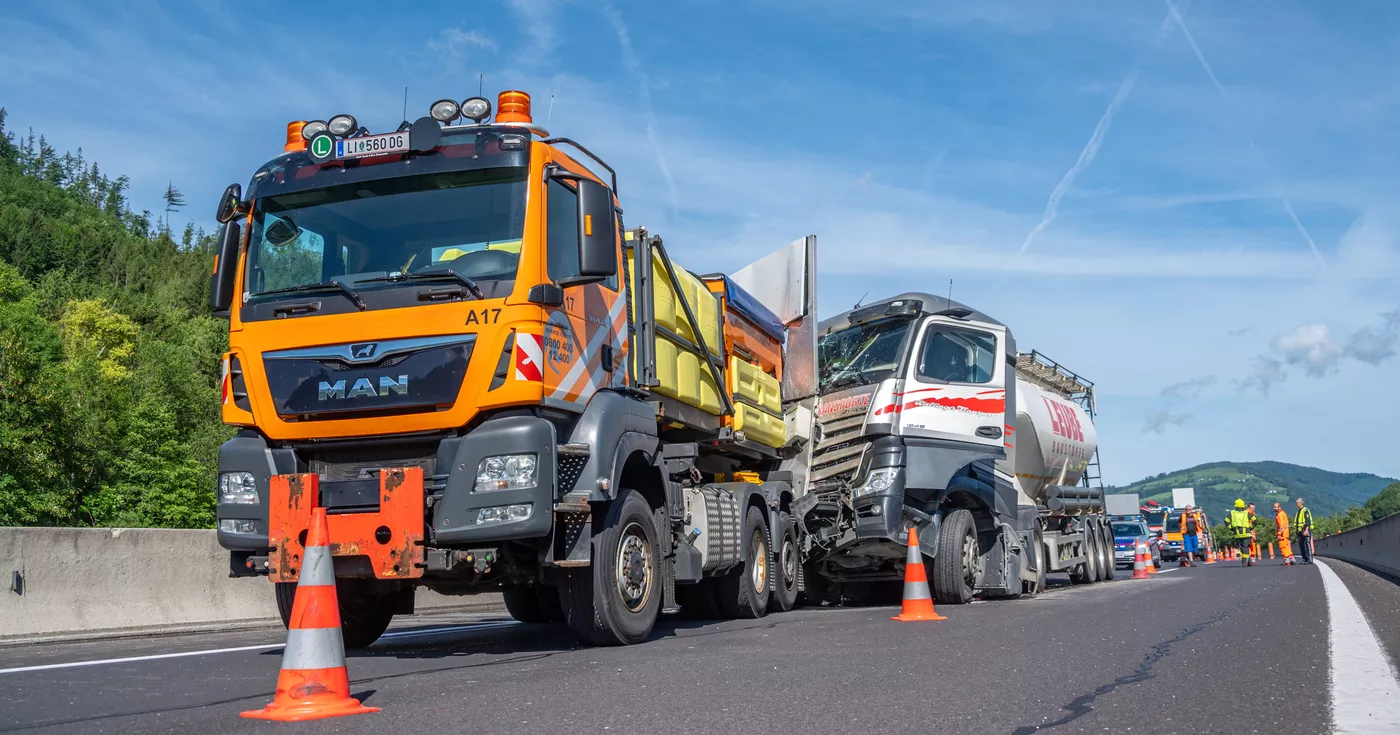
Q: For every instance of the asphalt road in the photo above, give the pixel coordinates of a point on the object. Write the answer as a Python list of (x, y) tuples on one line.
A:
[(1210, 649)]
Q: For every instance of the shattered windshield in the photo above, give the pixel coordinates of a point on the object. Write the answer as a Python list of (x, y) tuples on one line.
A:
[(860, 353)]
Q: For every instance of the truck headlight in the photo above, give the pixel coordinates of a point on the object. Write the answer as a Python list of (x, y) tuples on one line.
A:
[(878, 481), (507, 472), (239, 526), (238, 488), (504, 513)]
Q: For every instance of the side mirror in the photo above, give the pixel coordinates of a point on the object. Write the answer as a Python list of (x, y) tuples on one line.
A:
[(230, 203), (597, 226), (225, 268)]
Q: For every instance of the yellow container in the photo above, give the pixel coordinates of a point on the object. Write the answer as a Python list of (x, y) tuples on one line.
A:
[(666, 368), (748, 381), (696, 383), (759, 426)]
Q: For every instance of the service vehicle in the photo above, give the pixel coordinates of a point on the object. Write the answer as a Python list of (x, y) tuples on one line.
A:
[(445, 336)]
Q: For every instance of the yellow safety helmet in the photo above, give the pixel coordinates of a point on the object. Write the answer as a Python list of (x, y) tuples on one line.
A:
[(1239, 504)]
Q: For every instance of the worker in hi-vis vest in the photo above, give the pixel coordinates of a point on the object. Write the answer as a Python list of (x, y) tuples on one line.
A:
[(1190, 536), (1254, 533), (1302, 532), (1281, 524), (1242, 529)]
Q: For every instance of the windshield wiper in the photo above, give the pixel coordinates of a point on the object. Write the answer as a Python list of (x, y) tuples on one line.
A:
[(847, 378), (467, 283), (331, 285)]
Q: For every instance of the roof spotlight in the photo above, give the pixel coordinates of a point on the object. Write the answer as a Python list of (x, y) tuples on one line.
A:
[(476, 108), (309, 130), (342, 125), (445, 111)]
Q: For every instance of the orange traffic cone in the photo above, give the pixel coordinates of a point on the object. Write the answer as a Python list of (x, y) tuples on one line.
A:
[(918, 603), (313, 683), (1271, 550), (1210, 555), (1140, 566), (1151, 568)]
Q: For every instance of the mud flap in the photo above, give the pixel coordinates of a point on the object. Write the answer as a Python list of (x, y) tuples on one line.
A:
[(391, 538)]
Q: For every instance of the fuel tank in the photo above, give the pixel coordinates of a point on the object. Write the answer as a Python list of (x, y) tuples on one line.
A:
[(1053, 443)]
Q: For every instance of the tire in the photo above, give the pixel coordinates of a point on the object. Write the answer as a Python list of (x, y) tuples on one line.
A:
[(1032, 589), (596, 607), (533, 603), (743, 592), (363, 616), (788, 565), (1095, 553), (1084, 573), (1110, 561), (958, 566)]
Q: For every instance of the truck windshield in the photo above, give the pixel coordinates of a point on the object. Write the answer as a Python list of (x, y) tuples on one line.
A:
[(858, 353), (467, 221), (1154, 517)]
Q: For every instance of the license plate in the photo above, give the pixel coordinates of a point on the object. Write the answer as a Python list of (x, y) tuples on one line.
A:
[(371, 145)]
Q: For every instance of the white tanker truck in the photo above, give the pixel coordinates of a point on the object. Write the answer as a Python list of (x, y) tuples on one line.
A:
[(927, 416)]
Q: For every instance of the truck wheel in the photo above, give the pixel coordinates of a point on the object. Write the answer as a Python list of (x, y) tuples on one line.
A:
[(789, 563), (616, 600), (533, 603), (958, 566), (1037, 555), (1086, 572), (1106, 554), (1096, 551), (743, 592), (364, 616)]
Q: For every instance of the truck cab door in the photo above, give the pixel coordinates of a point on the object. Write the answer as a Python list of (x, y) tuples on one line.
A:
[(954, 384), (584, 339)]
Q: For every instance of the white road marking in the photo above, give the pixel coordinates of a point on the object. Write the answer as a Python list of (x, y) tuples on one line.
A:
[(1365, 693), (238, 649), (1168, 571)]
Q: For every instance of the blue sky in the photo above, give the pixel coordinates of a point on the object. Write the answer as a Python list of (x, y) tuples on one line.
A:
[(921, 141)]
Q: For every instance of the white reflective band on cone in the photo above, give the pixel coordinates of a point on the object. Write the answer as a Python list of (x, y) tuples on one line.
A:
[(314, 648), (317, 567)]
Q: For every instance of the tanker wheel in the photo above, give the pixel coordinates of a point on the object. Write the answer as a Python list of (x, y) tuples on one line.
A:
[(1037, 555), (533, 603), (789, 563), (743, 592), (1106, 555), (957, 568), (1085, 571), (365, 612), (616, 600)]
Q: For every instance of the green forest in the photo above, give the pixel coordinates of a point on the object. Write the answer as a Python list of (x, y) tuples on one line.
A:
[(109, 359)]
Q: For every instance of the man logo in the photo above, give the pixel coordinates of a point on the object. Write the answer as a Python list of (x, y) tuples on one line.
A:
[(363, 351), (362, 388)]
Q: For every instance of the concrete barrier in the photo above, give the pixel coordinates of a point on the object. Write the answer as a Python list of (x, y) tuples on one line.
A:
[(1375, 545), (109, 581)]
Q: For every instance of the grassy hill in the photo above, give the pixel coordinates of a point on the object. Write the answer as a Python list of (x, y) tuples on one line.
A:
[(1219, 483)]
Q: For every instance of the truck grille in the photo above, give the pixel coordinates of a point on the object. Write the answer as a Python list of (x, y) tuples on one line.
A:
[(335, 465), (838, 455)]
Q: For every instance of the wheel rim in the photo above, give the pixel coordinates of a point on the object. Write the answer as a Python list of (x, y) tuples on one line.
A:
[(972, 561), (758, 561), (634, 567), (789, 563)]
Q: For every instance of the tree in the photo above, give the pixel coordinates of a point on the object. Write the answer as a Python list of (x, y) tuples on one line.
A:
[(173, 200), (1384, 503)]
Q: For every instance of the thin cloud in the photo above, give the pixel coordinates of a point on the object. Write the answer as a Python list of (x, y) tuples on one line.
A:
[(536, 20), (634, 67), (1229, 102), (1374, 345), (1312, 349), (453, 45), (1159, 421), (1188, 389)]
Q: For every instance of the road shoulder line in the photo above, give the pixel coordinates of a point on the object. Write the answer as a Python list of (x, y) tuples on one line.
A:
[(1365, 693)]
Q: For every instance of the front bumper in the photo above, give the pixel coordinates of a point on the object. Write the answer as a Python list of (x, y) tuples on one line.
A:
[(452, 507)]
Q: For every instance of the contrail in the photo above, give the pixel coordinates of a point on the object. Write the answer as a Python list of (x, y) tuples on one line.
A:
[(1229, 102), (634, 65), (1091, 149)]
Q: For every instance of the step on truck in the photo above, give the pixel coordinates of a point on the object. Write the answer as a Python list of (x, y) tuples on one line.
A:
[(928, 417), (445, 337)]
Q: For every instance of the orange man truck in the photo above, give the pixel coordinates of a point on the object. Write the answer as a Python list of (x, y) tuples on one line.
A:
[(445, 337)]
